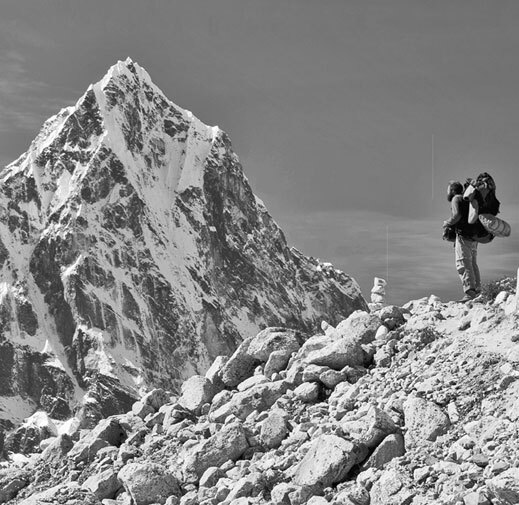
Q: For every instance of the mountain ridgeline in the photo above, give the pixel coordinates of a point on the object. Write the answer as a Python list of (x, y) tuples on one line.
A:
[(133, 252)]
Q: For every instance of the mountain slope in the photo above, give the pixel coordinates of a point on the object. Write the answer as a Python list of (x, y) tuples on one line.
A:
[(133, 252), (404, 406)]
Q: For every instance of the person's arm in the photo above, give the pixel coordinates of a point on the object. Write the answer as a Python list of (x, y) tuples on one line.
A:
[(455, 211)]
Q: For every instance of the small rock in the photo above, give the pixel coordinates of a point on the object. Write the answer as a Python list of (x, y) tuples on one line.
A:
[(381, 332), (311, 373), (280, 493), (211, 476), (307, 392), (330, 378), (465, 323), (255, 380)]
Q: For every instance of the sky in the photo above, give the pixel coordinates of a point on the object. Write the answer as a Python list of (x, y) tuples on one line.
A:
[(349, 116)]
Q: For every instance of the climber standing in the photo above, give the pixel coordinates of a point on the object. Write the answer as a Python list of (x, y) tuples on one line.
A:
[(465, 247)]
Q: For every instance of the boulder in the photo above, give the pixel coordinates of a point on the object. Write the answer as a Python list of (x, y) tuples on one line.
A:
[(255, 380), (360, 327), (391, 447), (392, 488), (331, 378), (12, 480), (280, 493), (141, 409), (195, 392), (248, 486), (214, 373), (394, 314), (504, 488), (109, 431), (274, 339), (274, 429), (54, 453), (378, 426), (227, 444), (276, 362), (70, 427), (175, 413), (53, 495), (256, 350), (327, 462), (424, 420), (294, 375), (315, 343), (352, 494), (156, 398), (103, 485), (239, 366), (311, 373), (211, 476), (260, 398), (308, 392), (338, 354), (317, 500), (148, 483)]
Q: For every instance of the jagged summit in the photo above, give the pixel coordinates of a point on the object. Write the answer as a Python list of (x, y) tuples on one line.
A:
[(133, 252)]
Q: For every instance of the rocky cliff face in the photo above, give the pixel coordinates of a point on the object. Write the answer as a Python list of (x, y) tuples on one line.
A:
[(133, 252)]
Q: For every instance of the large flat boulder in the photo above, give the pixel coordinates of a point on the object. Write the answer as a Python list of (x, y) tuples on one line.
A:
[(327, 462), (360, 327), (274, 339), (195, 392), (260, 397), (338, 354), (227, 444), (424, 420), (148, 483)]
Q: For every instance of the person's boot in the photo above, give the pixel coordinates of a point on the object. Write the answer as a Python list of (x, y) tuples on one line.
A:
[(469, 295)]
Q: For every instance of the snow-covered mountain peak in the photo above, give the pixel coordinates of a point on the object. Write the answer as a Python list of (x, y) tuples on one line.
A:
[(133, 250)]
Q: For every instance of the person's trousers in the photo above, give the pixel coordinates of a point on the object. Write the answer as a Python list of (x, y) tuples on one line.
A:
[(466, 251)]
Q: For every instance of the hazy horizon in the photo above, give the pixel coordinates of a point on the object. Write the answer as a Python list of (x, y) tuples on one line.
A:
[(332, 108)]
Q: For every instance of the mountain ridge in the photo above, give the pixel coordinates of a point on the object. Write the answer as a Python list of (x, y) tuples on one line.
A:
[(133, 251)]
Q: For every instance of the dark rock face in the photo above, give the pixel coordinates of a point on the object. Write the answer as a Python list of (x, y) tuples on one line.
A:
[(133, 252)]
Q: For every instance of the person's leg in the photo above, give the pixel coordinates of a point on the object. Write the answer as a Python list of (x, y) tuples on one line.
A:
[(477, 276), (464, 263)]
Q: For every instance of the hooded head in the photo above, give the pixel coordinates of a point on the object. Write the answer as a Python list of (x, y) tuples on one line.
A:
[(454, 188)]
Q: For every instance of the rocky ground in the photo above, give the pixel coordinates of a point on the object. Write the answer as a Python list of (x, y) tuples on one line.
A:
[(404, 405)]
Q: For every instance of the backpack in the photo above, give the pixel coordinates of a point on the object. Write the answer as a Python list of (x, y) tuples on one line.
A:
[(487, 209), (486, 194)]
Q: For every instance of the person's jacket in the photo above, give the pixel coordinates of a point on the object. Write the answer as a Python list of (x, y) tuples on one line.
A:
[(460, 218)]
